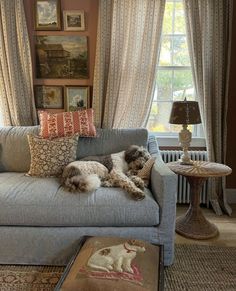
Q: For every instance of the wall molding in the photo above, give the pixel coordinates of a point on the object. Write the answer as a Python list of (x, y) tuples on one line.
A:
[(231, 196)]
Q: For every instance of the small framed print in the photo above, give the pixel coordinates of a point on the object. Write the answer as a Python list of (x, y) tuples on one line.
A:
[(77, 98), (49, 97), (74, 20), (47, 15)]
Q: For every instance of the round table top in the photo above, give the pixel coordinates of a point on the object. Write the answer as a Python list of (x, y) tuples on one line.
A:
[(200, 169)]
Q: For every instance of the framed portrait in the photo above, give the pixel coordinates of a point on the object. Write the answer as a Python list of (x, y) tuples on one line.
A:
[(61, 57), (47, 15), (76, 98), (74, 20), (49, 97)]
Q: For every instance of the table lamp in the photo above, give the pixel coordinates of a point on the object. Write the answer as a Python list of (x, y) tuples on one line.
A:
[(185, 112)]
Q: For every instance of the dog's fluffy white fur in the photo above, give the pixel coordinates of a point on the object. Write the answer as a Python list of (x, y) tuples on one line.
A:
[(86, 183), (83, 176), (118, 173)]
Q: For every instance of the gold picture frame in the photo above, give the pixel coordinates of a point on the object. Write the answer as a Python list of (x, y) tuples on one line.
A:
[(47, 15), (74, 20), (77, 98), (71, 50), (49, 97)]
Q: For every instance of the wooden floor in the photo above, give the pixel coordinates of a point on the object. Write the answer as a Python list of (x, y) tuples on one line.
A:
[(226, 225)]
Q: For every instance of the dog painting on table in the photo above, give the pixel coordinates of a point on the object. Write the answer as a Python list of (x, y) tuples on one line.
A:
[(116, 258)]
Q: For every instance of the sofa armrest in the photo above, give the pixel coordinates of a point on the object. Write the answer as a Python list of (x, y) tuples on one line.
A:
[(164, 190), (164, 186), (163, 180)]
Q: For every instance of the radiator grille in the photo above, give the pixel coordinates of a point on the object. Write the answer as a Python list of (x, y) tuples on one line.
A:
[(183, 186)]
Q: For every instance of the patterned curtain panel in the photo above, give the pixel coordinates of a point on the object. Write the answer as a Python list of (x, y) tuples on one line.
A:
[(209, 39), (16, 88), (128, 44)]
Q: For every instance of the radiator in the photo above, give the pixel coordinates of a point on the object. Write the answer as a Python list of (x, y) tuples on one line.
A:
[(183, 186)]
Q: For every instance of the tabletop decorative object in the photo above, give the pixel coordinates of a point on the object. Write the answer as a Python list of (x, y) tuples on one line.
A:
[(185, 112)]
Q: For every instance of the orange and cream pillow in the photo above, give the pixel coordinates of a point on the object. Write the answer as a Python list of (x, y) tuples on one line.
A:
[(145, 172), (61, 124)]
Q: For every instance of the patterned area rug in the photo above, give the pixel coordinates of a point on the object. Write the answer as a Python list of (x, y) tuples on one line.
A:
[(29, 278), (196, 267)]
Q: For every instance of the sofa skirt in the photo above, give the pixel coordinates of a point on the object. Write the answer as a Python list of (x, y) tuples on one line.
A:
[(56, 245)]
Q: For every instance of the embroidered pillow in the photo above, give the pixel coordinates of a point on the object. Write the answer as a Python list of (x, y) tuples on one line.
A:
[(54, 125), (145, 172), (49, 157)]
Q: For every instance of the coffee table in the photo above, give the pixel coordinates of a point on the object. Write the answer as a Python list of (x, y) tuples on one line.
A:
[(194, 224), (103, 263)]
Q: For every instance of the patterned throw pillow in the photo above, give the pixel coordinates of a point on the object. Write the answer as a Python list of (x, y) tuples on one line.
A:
[(54, 125), (145, 172), (49, 157)]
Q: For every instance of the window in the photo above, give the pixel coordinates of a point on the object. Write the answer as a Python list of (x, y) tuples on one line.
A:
[(174, 77)]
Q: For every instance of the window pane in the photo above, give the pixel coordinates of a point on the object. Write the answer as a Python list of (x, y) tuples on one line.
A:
[(167, 21), (159, 121), (179, 26), (165, 55), (180, 51), (183, 85), (164, 85)]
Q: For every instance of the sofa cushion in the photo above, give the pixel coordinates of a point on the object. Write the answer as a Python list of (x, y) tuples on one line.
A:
[(60, 124), (49, 157), (32, 201)]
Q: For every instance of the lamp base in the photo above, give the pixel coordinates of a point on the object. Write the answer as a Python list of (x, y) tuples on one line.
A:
[(185, 137), (184, 162)]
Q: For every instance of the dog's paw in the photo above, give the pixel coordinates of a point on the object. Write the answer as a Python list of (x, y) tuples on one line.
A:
[(138, 195), (106, 184), (138, 182)]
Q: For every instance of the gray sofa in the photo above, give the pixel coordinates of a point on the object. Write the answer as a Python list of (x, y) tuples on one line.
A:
[(41, 223)]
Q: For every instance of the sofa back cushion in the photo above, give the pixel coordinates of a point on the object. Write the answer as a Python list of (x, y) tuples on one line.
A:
[(15, 153), (111, 141), (14, 148)]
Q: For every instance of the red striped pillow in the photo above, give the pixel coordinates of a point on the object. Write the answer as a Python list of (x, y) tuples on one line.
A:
[(54, 125)]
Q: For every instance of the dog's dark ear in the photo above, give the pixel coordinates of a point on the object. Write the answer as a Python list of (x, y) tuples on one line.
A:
[(130, 152)]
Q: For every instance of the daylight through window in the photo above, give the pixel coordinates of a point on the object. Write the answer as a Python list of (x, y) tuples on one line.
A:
[(174, 77)]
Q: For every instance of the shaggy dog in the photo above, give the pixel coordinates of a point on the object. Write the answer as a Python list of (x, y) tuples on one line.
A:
[(121, 167), (83, 176)]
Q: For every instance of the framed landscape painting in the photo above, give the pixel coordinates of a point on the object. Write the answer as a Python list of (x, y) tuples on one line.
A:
[(61, 57), (49, 97), (77, 98), (74, 20), (47, 15)]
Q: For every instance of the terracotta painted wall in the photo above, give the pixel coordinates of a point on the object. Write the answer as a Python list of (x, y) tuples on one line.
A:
[(90, 8), (91, 12), (231, 139)]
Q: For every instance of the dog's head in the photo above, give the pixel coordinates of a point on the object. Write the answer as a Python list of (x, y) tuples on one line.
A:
[(136, 157)]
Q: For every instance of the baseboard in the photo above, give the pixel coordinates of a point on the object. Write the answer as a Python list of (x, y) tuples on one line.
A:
[(231, 196)]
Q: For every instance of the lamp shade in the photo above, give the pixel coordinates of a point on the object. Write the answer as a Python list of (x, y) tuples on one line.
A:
[(185, 112)]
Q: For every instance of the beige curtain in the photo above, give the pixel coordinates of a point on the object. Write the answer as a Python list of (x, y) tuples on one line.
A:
[(209, 39), (16, 88), (128, 44)]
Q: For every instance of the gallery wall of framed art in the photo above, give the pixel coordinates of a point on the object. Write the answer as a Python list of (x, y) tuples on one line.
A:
[(63, 44)]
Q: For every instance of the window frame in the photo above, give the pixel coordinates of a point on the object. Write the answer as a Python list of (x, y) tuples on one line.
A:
[(171, 138)]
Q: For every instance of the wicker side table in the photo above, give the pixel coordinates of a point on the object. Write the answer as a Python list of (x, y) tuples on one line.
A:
[(194, 224)]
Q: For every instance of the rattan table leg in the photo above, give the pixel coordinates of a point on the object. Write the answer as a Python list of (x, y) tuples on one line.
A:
[(194, 224)]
